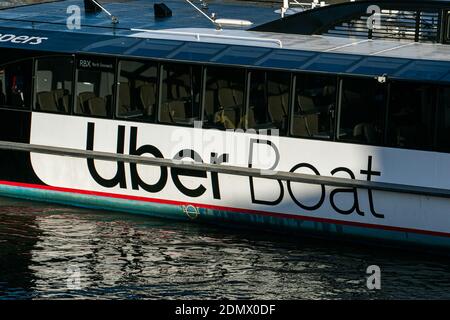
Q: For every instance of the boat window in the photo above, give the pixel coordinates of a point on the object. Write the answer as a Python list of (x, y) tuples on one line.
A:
[(137, 90), (15, 85), (94, 87), (443, 120), (180, 95), (362, 111), (314, 104), (268, 101), (447, 38), (411, 115), (53, 84), (224, 98)]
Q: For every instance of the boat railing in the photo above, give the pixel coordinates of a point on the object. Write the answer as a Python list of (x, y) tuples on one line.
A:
[(308, 5), (198, 36), (227, 169)]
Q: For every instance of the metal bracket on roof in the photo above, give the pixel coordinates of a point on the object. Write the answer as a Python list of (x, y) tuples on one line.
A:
[(382, 79), (218, 23), (92, 6), (212, 19)]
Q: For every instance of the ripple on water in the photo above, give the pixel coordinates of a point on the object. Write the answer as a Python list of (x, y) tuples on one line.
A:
[(125, 256)]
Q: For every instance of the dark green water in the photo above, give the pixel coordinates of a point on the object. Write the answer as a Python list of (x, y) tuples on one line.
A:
[(42, 247)]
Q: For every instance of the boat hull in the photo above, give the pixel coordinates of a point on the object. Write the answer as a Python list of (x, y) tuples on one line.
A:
[(413, 220), (416, 240)]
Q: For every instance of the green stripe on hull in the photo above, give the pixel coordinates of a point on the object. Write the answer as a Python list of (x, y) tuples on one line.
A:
[(95, 202), (236, 219)]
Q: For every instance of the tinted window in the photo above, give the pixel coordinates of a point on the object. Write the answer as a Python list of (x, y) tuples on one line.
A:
[(180, 96), (411, 115), (137, 91), (15, 84), (94, 87), (448, 26), (363, 111), (224, 98), (314, 103), (268, 101), (443, 120), (53, 84)]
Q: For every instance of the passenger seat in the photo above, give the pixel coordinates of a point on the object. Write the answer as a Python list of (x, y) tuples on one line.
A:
[(238, 96), (177, 110), (165, 115), (147, 95), (65, 103), (46, 101), (305, 125), (124, 98), (276, 109), (61, 100), (97, 106), (248, 120), (210, 102), (180, 91), (306, 105), (83, 98), (226, 98)]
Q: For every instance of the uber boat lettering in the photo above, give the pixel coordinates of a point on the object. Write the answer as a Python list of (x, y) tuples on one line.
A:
[(119, 179), (21, 39)]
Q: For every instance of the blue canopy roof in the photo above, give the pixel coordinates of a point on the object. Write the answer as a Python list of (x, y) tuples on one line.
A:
[(91, 40), (132, 14)]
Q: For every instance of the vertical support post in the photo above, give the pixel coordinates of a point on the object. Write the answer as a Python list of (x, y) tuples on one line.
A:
[(372, 23), (284, 8), (417, 33)]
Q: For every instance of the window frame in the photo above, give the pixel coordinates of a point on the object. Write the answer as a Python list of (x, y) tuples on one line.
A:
[(292, 99), (114, 86), (446, 27), (249, 74), (159, 95), (439, 93), (436, 88), (117, 84), (34, 93), (338, 112), (203, 92)]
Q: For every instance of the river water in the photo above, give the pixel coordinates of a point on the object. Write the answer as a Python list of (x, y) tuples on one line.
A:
[(51, 251)]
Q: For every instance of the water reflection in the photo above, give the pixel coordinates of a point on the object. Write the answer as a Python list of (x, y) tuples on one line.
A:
[(18, 235), (124, 256)]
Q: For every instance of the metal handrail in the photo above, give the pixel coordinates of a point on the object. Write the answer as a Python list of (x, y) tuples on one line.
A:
[(228, 169), (198, 36)]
